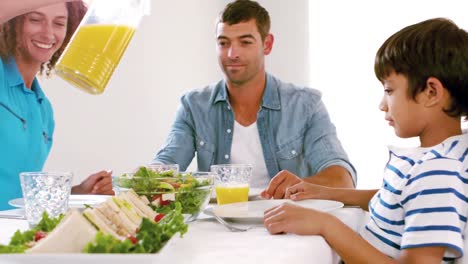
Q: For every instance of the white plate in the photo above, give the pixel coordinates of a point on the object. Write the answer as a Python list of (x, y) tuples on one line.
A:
[(254, 210), (253, 193), (75, 201)]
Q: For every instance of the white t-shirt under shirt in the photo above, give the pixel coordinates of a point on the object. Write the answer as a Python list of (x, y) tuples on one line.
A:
[(247, 149), (422, 201)]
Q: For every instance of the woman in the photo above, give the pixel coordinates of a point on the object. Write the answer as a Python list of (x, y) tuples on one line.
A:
[(31, 43)]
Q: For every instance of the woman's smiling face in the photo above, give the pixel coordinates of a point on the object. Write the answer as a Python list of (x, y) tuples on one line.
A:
[(43, 33)]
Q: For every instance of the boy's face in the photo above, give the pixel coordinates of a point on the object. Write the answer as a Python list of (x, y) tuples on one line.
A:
[(404, 114)]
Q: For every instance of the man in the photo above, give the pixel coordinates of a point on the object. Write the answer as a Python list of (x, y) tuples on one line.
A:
[(253, 117)]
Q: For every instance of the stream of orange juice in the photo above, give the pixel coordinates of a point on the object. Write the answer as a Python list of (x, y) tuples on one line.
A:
[(232, 194), (93, 54)]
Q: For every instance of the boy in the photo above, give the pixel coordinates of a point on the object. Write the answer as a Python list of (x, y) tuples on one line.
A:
[(419, 214)]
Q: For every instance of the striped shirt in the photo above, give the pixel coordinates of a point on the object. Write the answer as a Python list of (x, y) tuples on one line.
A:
[(423, 200)]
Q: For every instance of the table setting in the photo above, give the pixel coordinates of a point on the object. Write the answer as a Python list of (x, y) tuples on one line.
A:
[(229, 232)]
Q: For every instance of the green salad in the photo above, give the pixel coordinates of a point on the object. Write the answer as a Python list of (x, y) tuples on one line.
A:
[(191, 192)]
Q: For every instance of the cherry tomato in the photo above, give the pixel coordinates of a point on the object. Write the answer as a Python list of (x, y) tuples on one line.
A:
[(158, 217), (133, 239), (39, 235)]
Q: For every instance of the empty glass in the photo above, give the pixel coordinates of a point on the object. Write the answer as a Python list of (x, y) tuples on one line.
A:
[(45, 192)]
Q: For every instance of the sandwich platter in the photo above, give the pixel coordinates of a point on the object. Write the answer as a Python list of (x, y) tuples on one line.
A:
[(120, 224)]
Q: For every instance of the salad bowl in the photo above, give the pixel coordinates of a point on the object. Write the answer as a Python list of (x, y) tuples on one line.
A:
[(162, 189)]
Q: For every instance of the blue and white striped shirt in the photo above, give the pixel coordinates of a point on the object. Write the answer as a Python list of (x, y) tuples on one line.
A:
[(423, 200)]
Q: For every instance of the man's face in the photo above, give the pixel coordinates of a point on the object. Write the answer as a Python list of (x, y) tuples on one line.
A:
[(241, 51), (44, 30)]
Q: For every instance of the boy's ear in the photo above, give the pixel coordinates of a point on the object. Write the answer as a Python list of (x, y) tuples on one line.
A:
[(435, 92)]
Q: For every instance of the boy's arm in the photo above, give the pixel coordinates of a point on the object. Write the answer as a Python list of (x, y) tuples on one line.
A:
[(360, 198), (289, 218), (333, 176), (347, 196), (354, 249), (11, 9)]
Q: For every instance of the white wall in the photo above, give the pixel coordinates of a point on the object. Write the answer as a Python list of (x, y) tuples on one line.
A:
[(172, 52), (345, 35), (168, 56)]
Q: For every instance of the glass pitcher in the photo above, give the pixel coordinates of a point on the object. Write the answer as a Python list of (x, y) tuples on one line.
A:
[(98, 44)]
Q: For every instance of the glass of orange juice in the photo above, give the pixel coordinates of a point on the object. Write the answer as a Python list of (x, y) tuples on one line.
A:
[(98, 44), (232, 182)]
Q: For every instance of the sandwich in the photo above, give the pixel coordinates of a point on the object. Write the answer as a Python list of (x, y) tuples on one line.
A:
[(119, 216), (71, 235)]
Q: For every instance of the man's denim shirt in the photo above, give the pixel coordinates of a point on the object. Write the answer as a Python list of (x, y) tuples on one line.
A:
[(294, 127)]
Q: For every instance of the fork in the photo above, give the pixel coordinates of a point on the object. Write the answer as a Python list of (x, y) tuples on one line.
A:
[(230, 226)]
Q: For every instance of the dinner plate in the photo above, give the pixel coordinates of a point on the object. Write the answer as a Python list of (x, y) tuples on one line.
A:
[(254, 210), (253, 194), (75, 200)]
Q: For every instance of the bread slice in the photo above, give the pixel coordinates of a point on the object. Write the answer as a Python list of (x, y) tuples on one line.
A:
[(70, 236)]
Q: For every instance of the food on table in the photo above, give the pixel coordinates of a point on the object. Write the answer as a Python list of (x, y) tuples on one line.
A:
[(163, 189), (71, 235), (121, 215), (122, 224), (149, 183), (21, 241), (150, 236)]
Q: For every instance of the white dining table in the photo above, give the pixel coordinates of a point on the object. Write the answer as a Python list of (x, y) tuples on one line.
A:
[(206, 241)]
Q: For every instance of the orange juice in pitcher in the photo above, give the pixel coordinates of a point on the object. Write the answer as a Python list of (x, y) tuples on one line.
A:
[(94, 54), (96, 48)]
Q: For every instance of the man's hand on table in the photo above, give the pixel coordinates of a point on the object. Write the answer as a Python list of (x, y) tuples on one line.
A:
[(278, 185)]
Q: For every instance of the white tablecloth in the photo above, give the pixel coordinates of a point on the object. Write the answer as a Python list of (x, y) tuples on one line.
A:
[(207, 241)]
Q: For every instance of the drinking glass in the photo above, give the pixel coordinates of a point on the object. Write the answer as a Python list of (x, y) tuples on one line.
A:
[(232, 182), (45, 192)]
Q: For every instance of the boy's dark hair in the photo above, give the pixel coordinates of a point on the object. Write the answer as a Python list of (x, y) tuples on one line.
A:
[(11, 30), (243, 11), (432, 48)]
